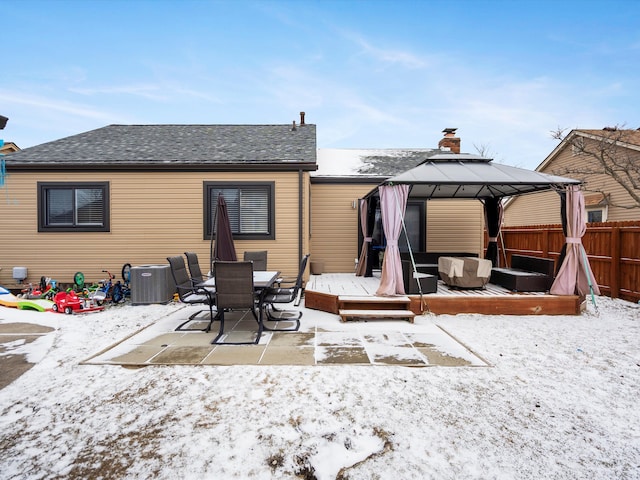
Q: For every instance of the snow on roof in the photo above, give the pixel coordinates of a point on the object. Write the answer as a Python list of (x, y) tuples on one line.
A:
[(343, 162)]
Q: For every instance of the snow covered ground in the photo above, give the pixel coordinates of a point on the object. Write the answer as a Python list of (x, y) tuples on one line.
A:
[(561, 400)]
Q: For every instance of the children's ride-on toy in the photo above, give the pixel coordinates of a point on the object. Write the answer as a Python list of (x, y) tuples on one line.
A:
[(70, 302), (45, 289)]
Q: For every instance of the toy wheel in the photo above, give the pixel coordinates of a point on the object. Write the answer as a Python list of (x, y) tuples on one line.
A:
[(126, 272), (54, 307), (68, 310), (78, 279)]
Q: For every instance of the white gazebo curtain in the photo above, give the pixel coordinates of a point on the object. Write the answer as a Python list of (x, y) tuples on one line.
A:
[(393, 202)]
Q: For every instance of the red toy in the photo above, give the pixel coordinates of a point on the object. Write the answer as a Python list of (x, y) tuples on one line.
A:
[(70, 302)]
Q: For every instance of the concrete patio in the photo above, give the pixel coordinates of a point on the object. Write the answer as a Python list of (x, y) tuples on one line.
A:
[(321, 340)]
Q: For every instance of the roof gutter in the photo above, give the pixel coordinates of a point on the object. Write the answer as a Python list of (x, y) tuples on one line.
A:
[(175, 167)]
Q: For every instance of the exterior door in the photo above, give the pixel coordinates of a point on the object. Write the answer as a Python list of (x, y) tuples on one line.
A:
[(415, 223), (414, 220)]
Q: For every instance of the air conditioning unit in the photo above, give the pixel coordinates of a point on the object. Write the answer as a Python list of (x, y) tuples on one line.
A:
[(151, 284)]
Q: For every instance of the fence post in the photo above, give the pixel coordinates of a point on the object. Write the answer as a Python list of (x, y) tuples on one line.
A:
[(615, 262)]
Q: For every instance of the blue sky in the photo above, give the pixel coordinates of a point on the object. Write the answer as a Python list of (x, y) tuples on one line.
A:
[(369, 74)]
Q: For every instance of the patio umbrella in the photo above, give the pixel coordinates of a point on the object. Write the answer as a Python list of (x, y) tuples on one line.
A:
[(224, 248), (575, 275)]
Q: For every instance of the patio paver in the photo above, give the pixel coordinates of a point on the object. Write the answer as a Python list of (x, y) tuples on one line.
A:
[(321, 340)]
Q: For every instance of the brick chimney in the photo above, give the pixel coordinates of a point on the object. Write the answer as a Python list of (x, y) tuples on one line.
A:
[(450, 141), (302, 118)]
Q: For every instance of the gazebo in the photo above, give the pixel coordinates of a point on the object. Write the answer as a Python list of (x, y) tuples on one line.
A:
[(467, 176)]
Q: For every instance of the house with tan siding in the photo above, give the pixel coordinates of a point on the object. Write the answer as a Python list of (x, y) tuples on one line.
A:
[(8, 147), (582, 155), (346, 175), (139, 193)]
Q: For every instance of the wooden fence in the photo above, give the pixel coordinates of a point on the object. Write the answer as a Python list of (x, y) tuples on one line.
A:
[(613, 249)]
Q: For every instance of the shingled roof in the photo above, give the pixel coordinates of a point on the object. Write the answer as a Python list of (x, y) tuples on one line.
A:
[(207, 147), (628, 137), (624, 138)]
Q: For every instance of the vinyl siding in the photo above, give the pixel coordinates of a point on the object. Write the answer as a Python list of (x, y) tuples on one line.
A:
[(153, 215), (455, 226), (534, 209), (452, 225), (544, 208), (334, 225)]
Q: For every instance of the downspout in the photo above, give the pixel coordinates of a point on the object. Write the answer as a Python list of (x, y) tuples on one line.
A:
[(300, 213)]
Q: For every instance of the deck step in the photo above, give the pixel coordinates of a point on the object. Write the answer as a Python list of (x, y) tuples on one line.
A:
[(365, 298), (381, 314), (373, 303)]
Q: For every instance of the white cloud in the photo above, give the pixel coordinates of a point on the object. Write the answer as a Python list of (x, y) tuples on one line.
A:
[(161, 92), (43, 104), (149, 91), (387, 55), (35, 119)]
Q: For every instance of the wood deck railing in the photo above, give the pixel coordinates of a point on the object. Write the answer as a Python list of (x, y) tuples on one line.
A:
[(613, 249)]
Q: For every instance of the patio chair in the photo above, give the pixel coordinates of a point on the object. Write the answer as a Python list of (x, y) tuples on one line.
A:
[(259, 259), (235, 291), (189, 293), (194, 267), (290, 294)]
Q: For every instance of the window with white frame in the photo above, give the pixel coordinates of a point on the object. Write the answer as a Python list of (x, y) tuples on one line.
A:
[(596, 206), (250, 205), (77, 206), (597, 214)]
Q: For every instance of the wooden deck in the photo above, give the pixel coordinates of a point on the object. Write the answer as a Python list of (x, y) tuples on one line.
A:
[(322, 292)]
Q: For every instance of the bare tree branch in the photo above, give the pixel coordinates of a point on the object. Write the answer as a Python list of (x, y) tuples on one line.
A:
[(605, 154), (484, 150)]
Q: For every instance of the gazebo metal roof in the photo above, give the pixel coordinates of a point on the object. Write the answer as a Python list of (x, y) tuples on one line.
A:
[(454, 175)]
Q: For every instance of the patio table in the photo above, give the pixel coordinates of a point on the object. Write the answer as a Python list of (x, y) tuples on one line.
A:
[(261, 281)]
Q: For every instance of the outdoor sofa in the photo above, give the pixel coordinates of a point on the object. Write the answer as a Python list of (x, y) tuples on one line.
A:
[(527, 274)]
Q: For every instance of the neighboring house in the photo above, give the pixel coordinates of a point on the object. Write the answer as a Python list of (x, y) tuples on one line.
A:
[(346, 175), (576, 157), (139, 193), (8, 147)]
